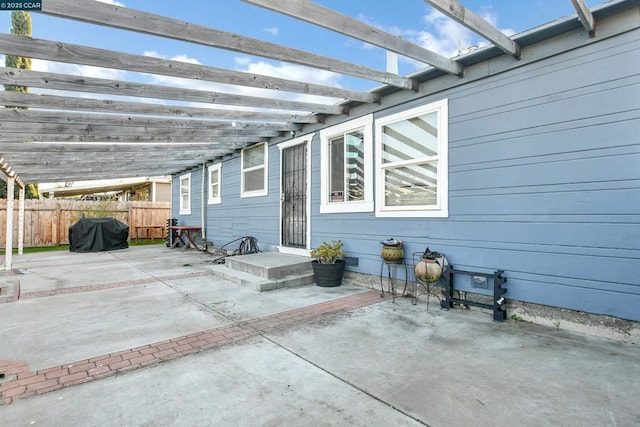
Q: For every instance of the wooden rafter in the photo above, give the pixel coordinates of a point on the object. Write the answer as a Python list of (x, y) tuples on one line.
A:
[(313, 13), (76, 54), (56, 102), (68, 118), (37, 79), (60, 148), (107, 130), (475, 23), (143, 22), (585, 16), (141, 138)]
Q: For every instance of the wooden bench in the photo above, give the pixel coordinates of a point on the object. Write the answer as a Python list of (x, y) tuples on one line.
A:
[(148, 228)]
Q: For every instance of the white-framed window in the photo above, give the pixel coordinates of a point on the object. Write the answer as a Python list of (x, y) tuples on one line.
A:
[(185, 194), (346, 156), (253, 180), (215, 177), (412, 162)]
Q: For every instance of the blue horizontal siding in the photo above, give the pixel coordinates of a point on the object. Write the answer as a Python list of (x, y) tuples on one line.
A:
[(544, 183)]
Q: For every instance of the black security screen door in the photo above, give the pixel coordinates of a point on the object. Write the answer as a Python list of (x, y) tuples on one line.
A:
[(294, 196)]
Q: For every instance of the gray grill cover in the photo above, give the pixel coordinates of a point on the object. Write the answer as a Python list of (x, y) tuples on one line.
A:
[(98, 234)]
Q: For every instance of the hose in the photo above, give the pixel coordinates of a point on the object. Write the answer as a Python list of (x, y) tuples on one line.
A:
[(248, 245)]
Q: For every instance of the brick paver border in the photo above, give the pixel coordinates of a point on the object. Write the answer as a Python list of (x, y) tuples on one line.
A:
[(99, 287), (23, 383)]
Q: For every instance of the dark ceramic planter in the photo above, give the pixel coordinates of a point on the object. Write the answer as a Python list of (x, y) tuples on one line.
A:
[(328, 275)]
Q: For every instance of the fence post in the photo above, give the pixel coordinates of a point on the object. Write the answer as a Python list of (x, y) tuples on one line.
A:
[(55, 233)]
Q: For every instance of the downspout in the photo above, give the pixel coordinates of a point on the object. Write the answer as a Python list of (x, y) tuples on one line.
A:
[(203, 206)]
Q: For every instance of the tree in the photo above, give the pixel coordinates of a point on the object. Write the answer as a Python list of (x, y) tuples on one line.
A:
[(21, 25)]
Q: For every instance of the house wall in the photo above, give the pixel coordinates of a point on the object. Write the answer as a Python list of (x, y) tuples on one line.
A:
[(235, 217), (162, 192), (544, 183)]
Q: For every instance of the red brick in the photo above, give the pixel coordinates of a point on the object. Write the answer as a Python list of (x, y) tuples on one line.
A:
[(72, 378), (14, 391), (190, 351), (183, 348), (99, 370), (41, 385), (189, 340), (167, 345), (161, 354), (48, 389), (200, 344), (128, 368), (121, 353), (59, 372), (82, 367), (141, 359), (117, 365), (131, 355), (30, 380), (108, 360), (148, 350)]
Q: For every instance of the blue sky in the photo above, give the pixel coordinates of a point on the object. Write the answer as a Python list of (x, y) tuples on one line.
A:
[(411, 19)]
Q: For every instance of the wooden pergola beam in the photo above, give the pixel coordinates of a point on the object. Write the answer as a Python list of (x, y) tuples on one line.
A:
[(585, 16), (76, 54), (50, 148), (72, 175), (141, 138), (56, 102), (106, 130), (63, 118), (318, 15), (36, 79), (475, 23), (148, 23)]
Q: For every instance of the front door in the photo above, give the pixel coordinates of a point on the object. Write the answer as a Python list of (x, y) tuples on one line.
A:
[(294, 224)]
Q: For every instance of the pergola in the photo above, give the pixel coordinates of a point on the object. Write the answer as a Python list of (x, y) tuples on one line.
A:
[(54, 138)]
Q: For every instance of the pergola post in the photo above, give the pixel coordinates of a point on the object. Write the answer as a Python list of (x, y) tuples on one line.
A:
[(21, 195), (9, 232)]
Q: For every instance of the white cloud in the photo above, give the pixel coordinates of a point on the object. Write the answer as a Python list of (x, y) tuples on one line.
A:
[(274, 31), (181, 58), (77, 70), (294, 72), (242, 60), (113, 2), (440, 34)]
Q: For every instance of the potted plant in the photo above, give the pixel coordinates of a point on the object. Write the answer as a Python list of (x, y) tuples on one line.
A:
[(328, 266)]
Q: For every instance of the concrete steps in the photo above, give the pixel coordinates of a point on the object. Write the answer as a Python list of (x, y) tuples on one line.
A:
[(266, 271)]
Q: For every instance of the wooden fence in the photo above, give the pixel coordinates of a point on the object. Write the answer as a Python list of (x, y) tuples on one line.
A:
[(46, 222)]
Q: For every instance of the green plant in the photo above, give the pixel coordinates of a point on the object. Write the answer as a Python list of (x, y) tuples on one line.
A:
[(328, 253), (97, 210), (556, 324)]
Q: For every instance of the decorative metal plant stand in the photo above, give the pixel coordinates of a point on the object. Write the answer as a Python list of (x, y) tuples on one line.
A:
[(426, 286), (392, 274)]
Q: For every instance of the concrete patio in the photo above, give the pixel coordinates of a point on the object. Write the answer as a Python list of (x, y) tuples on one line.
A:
[(149, 336)]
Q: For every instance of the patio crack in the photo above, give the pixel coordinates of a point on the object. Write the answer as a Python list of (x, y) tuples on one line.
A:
[(344, 380)]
